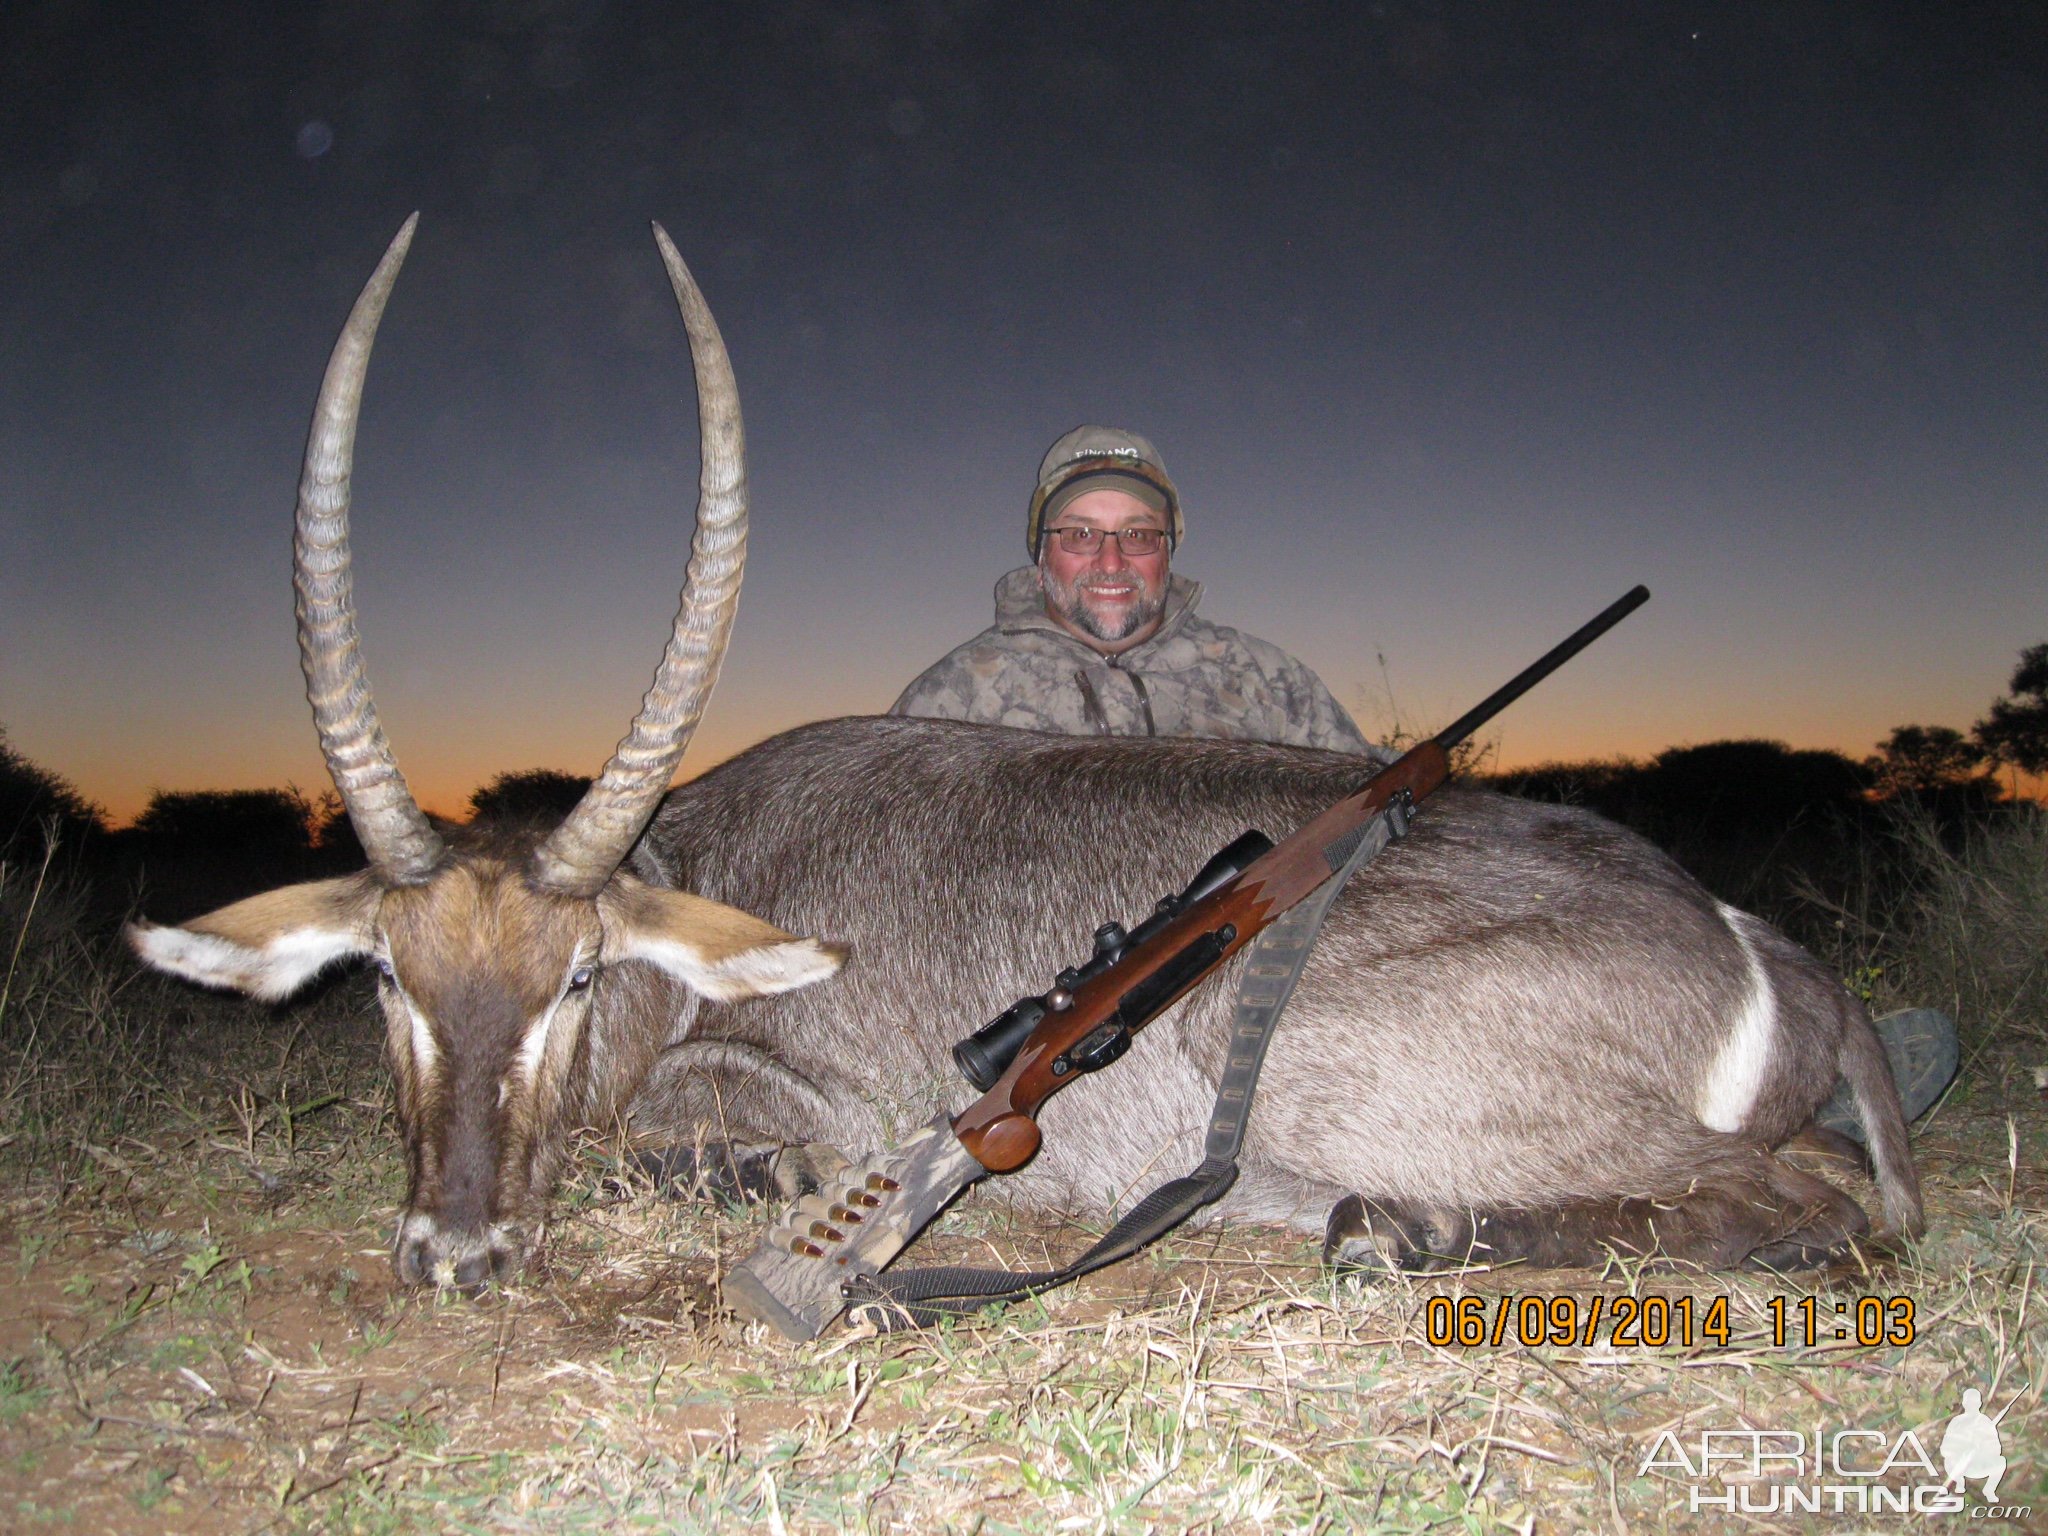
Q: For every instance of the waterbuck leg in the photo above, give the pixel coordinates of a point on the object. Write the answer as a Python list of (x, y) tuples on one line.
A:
[(705, 1091), (1773, 1217), (1825, 1153)]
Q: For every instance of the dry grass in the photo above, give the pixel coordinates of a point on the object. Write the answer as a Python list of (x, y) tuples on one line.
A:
[(1976, 925), (199, 1332)]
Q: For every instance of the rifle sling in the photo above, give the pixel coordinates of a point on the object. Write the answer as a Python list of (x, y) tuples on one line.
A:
[(1274, 963)]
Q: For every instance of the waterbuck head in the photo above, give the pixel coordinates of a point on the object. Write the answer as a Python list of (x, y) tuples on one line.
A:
[(506, 962)]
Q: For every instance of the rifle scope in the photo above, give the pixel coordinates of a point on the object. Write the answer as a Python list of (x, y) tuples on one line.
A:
[(985, 1055)]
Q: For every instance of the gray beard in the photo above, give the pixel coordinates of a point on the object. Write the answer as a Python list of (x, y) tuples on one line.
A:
[(1065, 600)]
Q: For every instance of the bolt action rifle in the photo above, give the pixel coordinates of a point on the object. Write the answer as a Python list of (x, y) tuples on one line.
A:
[(828, 1250)]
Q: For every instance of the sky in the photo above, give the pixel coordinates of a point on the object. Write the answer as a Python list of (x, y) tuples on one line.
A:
[(1452, 322)]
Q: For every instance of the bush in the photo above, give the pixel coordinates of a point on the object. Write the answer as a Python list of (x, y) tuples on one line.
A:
[(1756, 822), (543, 795), (191, 851), (33, 800)]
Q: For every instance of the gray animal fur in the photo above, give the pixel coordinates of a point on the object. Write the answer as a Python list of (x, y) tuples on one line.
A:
[(1517, 1005)]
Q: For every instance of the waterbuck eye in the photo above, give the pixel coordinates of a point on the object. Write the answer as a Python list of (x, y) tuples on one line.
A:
[(580, 977), (385, 969)]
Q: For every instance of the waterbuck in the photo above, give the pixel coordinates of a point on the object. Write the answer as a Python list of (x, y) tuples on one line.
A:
[(1524, 1033)]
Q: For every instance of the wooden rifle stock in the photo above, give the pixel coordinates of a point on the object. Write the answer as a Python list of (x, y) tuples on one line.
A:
[(1089, 1025)]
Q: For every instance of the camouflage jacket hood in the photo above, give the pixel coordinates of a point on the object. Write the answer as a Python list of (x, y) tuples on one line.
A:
[(1190, 678)]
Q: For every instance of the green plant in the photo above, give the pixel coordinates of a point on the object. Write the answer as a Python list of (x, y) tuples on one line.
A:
[(20, 1392)]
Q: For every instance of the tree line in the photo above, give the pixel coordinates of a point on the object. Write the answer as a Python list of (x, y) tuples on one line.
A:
[(192, 850), (1749, 817)]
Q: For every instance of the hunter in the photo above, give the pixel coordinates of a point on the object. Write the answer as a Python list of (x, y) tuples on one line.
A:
[(1099, 638)]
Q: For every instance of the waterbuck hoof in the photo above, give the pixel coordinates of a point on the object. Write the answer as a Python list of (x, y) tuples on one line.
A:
[(1387, 1237), (1817, 1234), (805, 1169), (1789, 1257), (737, 1172), (1814, 1247), (731, 1172)]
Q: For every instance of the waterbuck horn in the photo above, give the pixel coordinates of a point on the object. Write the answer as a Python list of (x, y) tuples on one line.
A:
[(402, 847), (581, 854)]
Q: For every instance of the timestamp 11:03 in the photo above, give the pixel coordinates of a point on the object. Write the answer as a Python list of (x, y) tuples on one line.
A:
[(1655, 1322), (1865, 1320)]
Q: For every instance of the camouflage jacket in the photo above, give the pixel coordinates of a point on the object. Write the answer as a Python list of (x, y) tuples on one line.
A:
[(1192, 678)]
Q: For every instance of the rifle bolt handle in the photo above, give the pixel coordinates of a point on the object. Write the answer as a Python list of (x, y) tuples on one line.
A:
[(1059, 999)]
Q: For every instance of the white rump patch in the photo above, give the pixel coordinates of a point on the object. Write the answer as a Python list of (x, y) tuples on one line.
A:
[(1737, 1075), (273, 972), (754, 972)]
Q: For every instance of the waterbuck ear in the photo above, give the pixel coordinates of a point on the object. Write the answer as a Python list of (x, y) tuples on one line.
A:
[(717, 950), (270, 945)]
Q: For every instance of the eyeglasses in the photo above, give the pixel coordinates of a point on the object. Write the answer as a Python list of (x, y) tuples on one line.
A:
[(1078, 539)]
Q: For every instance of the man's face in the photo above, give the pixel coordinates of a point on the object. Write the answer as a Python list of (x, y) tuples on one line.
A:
[(1109, 599)]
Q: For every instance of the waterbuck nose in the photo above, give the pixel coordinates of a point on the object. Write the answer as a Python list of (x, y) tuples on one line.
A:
[(415, 1260), (428, 1253), (475, 1268)]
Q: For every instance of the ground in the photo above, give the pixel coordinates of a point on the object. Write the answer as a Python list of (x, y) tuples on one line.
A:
[(200, 1331)]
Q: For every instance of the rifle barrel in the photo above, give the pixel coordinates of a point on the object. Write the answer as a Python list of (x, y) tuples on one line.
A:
[(1541, 668)]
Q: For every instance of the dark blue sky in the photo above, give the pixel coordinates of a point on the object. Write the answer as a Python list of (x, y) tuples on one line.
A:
[(1451, 320)]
